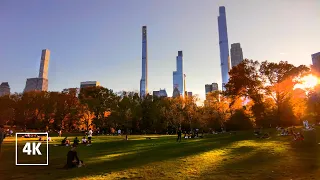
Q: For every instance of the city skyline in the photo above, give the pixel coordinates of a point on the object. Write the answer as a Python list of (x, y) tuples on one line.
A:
[(113, 55)]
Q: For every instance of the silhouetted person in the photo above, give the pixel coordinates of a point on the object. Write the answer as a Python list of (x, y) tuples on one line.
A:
[(76, 141), (2, 136), (179, 135), (72, 158), (65, 142)]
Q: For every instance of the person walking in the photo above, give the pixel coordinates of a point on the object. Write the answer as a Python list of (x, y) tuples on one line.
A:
[(89, 136), (179, 134), (2, 135)]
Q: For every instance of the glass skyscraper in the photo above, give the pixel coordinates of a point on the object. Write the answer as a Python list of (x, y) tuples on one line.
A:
[(224, 46), (178, 77), (144, 77)]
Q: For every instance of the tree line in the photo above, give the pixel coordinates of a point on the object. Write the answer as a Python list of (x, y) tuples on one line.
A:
[(257, 95)]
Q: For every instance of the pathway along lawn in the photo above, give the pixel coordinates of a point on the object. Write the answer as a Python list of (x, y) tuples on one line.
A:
[(225, 156)]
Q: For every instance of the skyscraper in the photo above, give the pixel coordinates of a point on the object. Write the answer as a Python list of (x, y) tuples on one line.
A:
[(89, 84), (224, 46), (210, 98), (144, 77), (36, 84), (236, 54), (316, 61), (40, 83), (4, 89), (178, 77), (44, 64), (211, 87), (161, 93)]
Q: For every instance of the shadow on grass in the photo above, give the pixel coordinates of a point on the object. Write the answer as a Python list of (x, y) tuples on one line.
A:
[(130, 154), (156, 153), (123, 155)]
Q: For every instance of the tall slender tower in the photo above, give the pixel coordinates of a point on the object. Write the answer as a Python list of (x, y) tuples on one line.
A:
[(178, 75), (44, 64), (224, 46), (144, 77), (184, 85)]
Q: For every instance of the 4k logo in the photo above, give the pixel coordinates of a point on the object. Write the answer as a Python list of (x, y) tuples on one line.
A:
[(35, 148), (31, 152)]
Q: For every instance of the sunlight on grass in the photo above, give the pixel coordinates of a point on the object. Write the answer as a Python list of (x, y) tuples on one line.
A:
[(108, 157), (192, 166), (225, 156)]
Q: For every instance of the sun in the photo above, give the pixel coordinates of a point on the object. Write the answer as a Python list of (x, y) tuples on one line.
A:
[(308, 82)]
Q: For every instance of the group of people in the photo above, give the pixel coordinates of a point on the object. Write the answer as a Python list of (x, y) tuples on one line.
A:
[(259, 134), (72, 156), (191, 134), (297, 136), (76, 141)]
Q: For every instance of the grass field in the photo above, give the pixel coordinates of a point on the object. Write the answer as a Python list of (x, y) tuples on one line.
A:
[(223, 156)]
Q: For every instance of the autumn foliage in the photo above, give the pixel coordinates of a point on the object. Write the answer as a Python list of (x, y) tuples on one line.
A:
[(258, 94)]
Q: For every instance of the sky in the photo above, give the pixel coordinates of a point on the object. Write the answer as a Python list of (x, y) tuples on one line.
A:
[(100, 40)]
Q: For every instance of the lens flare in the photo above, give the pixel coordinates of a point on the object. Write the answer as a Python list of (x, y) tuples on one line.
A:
[(308, 82)]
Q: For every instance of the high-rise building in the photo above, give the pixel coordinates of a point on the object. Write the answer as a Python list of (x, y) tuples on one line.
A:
[(236, 54), (144, 77), (178, 76), (176, 93), (40, 83), (316, 61), (211, 87), (208, 89), (4, 89), (44, 64), (224, 46), (89, 84), (161, 93), (36, 84)]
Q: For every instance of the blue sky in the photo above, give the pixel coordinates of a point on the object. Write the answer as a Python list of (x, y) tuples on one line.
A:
[(101, 39)]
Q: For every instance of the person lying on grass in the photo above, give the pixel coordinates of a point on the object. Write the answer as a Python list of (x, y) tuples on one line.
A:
[(73, 159)]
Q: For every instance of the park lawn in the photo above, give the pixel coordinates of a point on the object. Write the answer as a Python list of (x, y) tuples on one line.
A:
[(223, 156)]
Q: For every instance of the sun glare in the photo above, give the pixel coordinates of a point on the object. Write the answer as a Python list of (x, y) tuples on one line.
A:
[(309, 81)]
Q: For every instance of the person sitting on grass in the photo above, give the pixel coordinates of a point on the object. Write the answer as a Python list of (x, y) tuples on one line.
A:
[(185, 135), (76, 141), (257, 132), (72, 159), (299, 137), (84, 140), (265, 136), (65, 142)]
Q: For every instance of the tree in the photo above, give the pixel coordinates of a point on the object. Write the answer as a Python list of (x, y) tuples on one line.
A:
[(99, 101), (86, 118), (280, 79), (6, 110)]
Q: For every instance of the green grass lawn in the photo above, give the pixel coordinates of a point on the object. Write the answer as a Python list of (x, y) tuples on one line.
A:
[(223, 156)]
